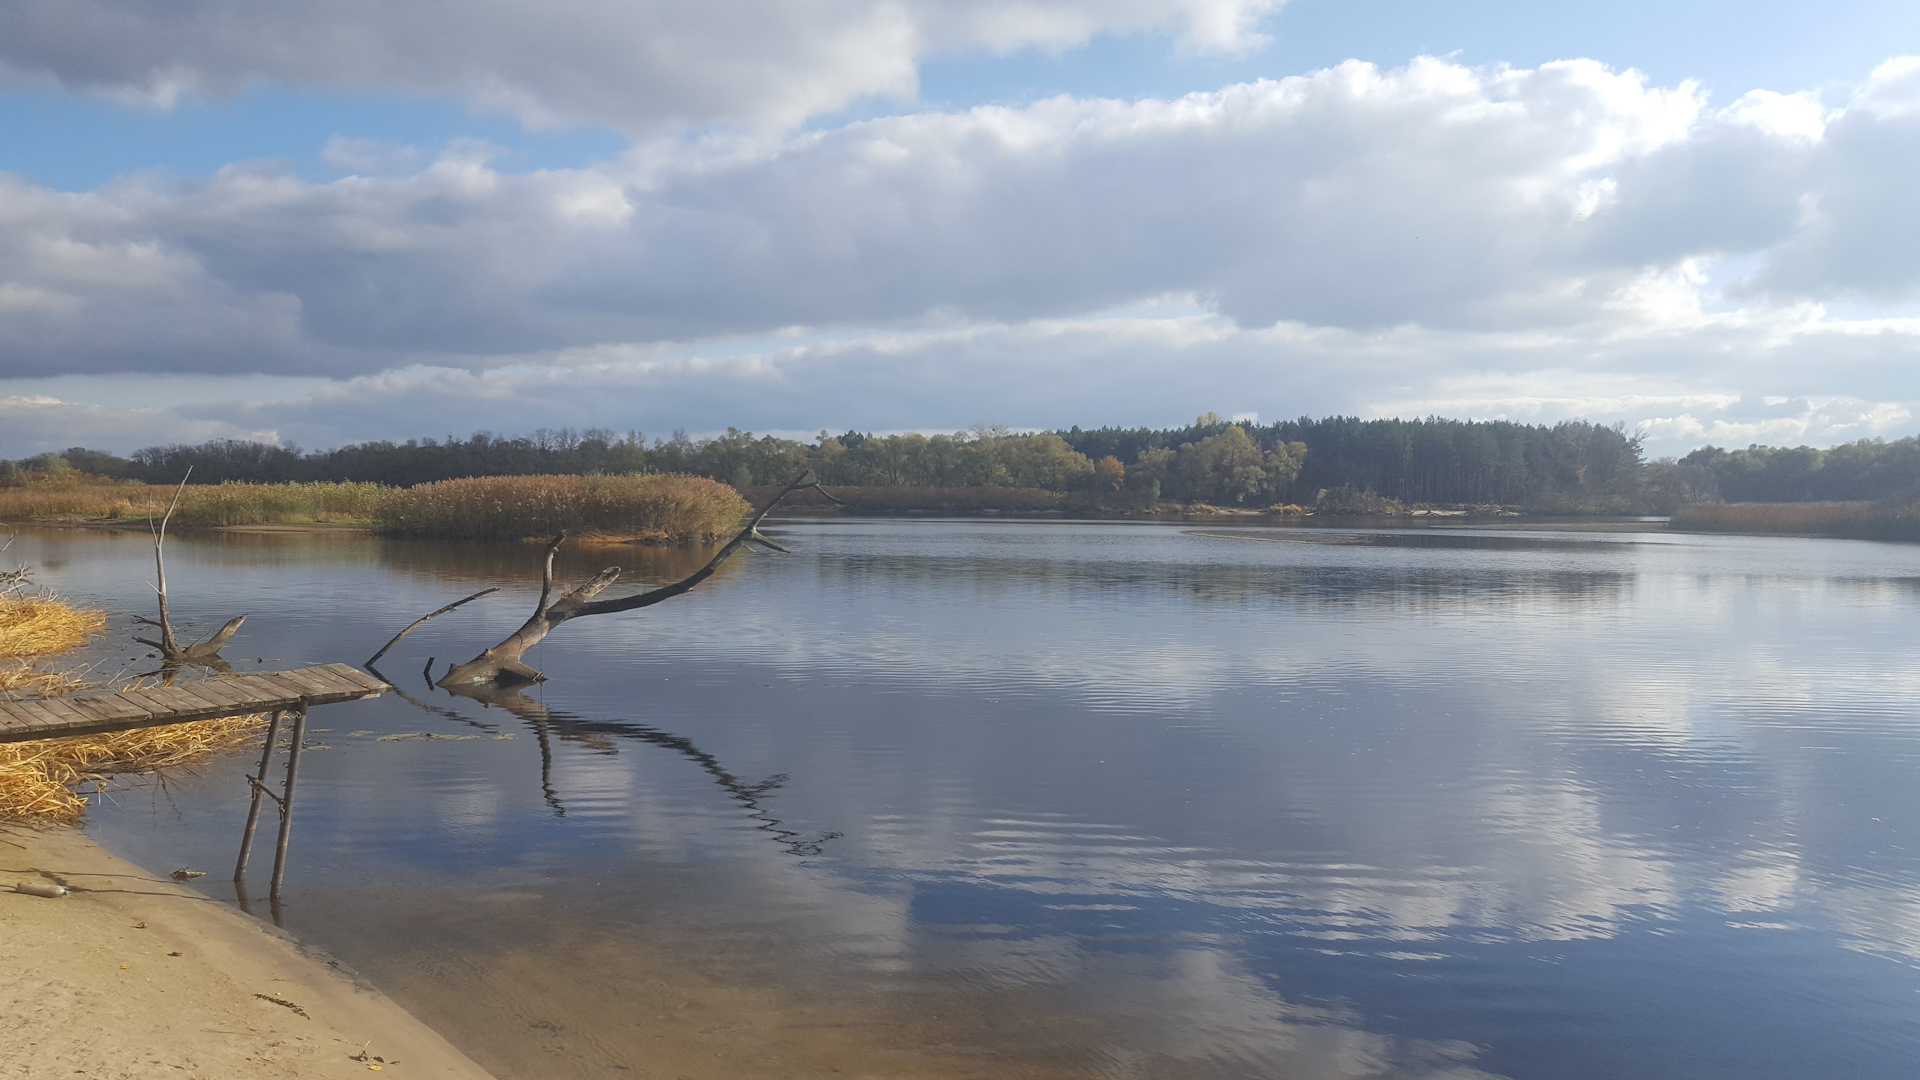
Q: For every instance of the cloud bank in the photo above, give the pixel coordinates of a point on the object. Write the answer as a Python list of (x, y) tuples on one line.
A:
[(1478, 241), (642, 66)]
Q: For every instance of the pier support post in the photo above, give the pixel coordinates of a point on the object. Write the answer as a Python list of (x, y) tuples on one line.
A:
[(286, 802), (258, 783)]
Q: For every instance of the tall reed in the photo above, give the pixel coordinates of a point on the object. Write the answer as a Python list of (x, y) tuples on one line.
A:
[(1817, 518), (649, 507), (201, 505)]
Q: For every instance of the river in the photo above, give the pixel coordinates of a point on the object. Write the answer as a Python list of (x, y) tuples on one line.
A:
[(1058, 799)]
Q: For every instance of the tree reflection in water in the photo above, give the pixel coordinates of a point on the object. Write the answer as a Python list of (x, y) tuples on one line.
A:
[(548, 724)]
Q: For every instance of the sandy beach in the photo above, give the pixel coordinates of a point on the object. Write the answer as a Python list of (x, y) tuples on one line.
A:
[(133, 975)]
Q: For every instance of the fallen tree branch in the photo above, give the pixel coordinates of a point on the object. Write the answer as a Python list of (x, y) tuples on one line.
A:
[(415, 624), (504, 664)]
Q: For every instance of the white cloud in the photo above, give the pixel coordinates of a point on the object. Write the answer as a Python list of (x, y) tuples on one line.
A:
[(1825, 423), (1535, 243), (637, 65)]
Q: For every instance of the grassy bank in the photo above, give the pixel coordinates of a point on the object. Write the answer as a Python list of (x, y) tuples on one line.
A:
[(49, 779), (1858, 520), (635, 507), (201, 505), (648, 507)]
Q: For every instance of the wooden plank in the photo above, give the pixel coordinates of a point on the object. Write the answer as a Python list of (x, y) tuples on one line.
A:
[(62, 716), (293, 692), (359, 678), (220, 692), (155, 701), (355, 675), (254, 692), (326, 690), (195, 702), (175, 703), (112, 706), (17, 711), (107, 711), (16, 716), (299, 677)]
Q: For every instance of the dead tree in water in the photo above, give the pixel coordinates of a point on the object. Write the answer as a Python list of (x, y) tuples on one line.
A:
[(206, 653), (503, 665)]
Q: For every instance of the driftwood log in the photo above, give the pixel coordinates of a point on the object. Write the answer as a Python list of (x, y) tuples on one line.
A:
[(503, 664), (172, 653)]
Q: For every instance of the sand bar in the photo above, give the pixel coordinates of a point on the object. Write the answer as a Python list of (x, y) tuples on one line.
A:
[(134, 975)]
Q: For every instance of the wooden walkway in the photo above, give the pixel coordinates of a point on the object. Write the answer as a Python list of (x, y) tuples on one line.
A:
[(90, 714)]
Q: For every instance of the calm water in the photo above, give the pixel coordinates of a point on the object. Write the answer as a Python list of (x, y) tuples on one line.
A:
[(1016, 799)]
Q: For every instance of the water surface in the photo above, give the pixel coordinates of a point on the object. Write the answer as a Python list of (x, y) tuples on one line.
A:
[(1117, 800)]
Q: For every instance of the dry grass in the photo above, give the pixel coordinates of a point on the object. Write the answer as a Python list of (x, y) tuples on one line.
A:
[(650, 507), (32, 628), (22, 679), (1858, 520), (1819, 518), (38, 626), (48, 779), (201, 505)]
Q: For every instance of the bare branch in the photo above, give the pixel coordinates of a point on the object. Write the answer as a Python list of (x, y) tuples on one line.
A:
[(205, 653), (170, 648), (415, 624), (546, 575), (686, 584)]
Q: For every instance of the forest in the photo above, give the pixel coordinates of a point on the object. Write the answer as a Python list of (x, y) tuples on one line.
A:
[(1332, 464)]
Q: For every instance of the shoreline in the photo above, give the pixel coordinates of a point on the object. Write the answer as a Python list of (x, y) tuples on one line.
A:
[(1187, 516), (136, 975)]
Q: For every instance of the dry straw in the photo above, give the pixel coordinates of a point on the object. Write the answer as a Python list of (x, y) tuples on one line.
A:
[(48, 779), (38, 626)]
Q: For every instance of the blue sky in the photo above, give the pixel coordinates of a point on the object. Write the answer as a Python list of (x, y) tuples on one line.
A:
[(333, 221)]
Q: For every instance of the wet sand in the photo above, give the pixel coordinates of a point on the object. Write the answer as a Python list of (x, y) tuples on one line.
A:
[(134, 975)]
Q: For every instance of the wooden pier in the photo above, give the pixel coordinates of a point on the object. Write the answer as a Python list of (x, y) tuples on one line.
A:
[(281, 693), (92, 714)]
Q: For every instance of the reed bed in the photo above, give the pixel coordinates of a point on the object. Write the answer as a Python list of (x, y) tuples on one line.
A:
[(49, 779), (647, 507), (201, 505), (1818, 518)]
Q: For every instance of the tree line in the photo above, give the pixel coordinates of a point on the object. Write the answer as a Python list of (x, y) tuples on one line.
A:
[(1339, 462)]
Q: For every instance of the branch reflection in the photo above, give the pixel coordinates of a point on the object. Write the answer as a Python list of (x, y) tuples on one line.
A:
[(548, 723)]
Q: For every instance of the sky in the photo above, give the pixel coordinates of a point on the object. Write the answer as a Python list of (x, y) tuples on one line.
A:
[(329, 221)]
